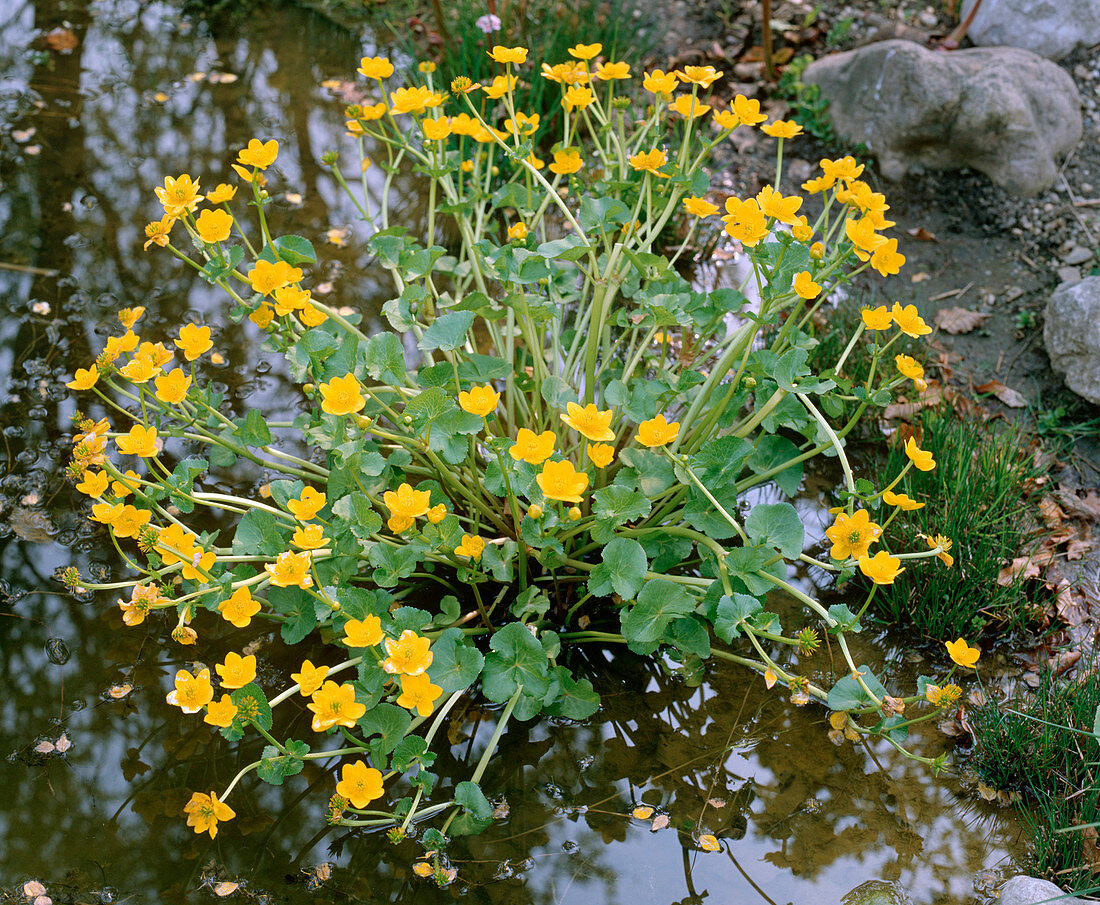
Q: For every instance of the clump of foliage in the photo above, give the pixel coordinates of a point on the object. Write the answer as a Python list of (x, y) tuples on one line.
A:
[(977, 499), (808, 108), (1041, 747), (521, 466)]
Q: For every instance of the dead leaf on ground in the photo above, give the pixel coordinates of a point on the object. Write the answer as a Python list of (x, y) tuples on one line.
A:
[(1090, 850), (1087, 506), (32, 525), (62, 40), (1012, 398), (1051, 513), (959, 320), (919, 277), (922, 234), (1025, 567)]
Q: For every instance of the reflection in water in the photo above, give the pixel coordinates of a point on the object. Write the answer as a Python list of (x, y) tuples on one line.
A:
[(89, 129)]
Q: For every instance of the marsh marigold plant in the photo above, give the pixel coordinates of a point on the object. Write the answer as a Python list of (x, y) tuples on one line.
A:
[(567, 458)]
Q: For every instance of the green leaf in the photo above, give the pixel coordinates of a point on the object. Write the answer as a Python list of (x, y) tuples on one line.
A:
[(622, 570), (275, 766), (258, 534), (653, 472), (385, 359), (472, 800), (253, 429), (690, 635), (777, 525), (576, 700), (299, 608), (658, 604), (447, 332), (356, 510), (252, 705), (516, 659), (614, 506), (773, 451), (557, 393), (847, 621), (389, 722), (455, 663), (568, 248), (295, 250), (410, 749), (732, 612), (600, 213), (847, 694)]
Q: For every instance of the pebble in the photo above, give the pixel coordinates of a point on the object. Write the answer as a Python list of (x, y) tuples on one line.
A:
[(1069, 275), (1077, 255)]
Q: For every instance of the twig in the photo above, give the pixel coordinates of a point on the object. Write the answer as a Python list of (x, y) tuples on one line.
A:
[(951, 293), (26, 268)]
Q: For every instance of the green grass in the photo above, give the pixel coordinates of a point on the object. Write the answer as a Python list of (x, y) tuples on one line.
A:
[(1051, 767), (976, 496)]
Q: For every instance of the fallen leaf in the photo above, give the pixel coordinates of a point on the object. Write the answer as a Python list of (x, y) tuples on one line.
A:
[(1051, 512), (642, 812), (1088, 505), (988, 793), (33, 888), (118, 692), (659, 823), (226, 888), (1025, 567), (62, 40), (919, 277), (958, 320), (1089, 848), (716, 802), (44, 747), (22, 135), (1064, 661), (32, 525), (63, 744), (1010, 397), (921, 233)]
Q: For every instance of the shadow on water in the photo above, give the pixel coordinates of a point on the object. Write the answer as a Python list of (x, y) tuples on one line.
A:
[(88, 129)]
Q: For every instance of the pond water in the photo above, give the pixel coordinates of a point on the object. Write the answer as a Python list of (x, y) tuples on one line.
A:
[(99, 101)]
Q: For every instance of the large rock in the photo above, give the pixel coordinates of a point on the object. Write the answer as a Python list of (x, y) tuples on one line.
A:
[(876, 892), (1050, 28), (1003, 111), (1030, 891), (1071, 333)]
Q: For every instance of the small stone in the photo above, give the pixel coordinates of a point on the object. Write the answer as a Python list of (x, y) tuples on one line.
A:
[(1025, 890), (1077, 255), (1050, 28), (1012, 293), (1069, 275), (1071, 334)]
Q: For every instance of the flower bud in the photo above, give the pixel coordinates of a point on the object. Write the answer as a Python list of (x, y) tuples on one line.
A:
[(574, 514), (535, 512)]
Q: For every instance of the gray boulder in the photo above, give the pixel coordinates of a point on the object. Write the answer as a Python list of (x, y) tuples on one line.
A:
[(1071, 333), (1031, 890), (1003, 111), (1050, 28)]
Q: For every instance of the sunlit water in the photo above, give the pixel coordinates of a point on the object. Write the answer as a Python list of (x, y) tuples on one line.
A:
[(86, 134)]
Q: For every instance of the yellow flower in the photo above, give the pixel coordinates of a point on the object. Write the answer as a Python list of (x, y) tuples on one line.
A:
[(94, 483), (886, 259), (308, 504), (407, 502), (422, 868), (601, 454), (177, 196), (909, 320), (566, 162), (852, 535), (921, 458), (944, 556), (745, 221), (239, 609), (172, 387), (773, 204), (289, 298), (310, 678), (841, 168), (517, 55), (748, 111), (262, 316), (608, 71), (365, 632), (359, 784), (266, 276), (902, 501), (129, 521), (817, 251), (689, 107), (561, 481), (802, 230), (290, 570), (499, 87), (659, 83), (237, 671), (436, 129), (399, 523), (878, 318), (259, 154), (375, 68), (223, 194), (567, 73), (962, 653), (805, 286), (479, 401), (523, 124), (143, 597), (531, 447), (156, 353), (193, 341), (651, 162), (138, 370), (585, 51), (861, 233), (882, 568), (141, 441), (699, 207), (249, 175), (517, 231), (127, 485), (130, 316), (942, 697), (84, 378), (657, 431), (191, 693), (577, 98), (341, 396), (335, 705), (589, 421), (408, 655), (535, 512), (472, 547), (909, 367), (426, 66), (220, 713), (703, 76), (311, 537), (156, 233), (204, 811), (781, 129), (419, 694), (214, 226)]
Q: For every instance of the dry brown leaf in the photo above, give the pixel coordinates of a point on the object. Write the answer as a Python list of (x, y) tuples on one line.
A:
[(1064, 661), (921, 233), (1078, 547), (659, 823), (1073, 606), (959, 320), (919, 277), (62, 40), (1051, 512), (1010, 397), (1089, 848), (1088, 505), (226, 888), (1025, 567), (33, 888)]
